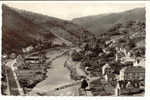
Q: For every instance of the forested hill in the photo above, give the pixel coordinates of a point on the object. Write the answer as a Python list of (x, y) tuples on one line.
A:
[(99, 24), (22, 28)]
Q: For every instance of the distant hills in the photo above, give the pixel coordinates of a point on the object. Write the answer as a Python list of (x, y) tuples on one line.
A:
[(99, 24), (126, 29), (22, 28)]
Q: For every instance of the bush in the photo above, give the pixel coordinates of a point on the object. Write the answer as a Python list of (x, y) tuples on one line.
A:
[(76, 56)]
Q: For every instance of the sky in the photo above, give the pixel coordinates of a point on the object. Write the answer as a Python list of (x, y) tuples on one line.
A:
[(69, 11)]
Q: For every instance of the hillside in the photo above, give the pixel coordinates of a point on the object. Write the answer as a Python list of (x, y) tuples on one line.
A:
[(101, 23), (22, 28)]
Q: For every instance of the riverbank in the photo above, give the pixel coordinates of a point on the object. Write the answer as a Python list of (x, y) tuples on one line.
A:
[(57, 74), (35, 73), (76, 73)]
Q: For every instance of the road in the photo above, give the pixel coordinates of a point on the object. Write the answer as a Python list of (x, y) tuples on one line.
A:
[(14, 86)]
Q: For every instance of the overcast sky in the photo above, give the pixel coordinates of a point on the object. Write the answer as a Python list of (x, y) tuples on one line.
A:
[(68, 11)]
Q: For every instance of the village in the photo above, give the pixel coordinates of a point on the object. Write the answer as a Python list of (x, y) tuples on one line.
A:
[(119, 71), (28, 68), (114, 60), (44, 54)]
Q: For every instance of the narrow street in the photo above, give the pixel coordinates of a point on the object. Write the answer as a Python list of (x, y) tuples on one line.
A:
[(14, 86)]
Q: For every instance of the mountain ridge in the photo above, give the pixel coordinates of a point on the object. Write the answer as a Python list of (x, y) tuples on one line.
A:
[(98, 24), (28, 28)]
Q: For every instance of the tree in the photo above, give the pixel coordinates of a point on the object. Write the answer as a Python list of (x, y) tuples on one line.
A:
[(76, 56)]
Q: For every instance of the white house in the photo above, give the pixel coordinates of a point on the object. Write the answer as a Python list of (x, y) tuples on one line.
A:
[(28, 49), (122, 74), (104, 67), (4, 56), (117, 90), (107, 72), (139, 62), (57, 42)]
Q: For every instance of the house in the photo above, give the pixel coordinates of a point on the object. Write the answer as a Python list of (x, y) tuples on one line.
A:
[(88, 53), (104, 68), (110, 43), (27, 62), (107, 72), (35, 59), (36, 66), (26, 74), (57, 42), (139, 62), (32, 60), (19, 58), (13, 55), (87, 71), (20, 62), (124, 51), (27, 49), (134, 73), (4, 56), (121, 76), (106, 50)]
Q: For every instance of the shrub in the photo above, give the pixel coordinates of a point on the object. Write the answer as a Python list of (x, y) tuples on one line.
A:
[(76, 56)]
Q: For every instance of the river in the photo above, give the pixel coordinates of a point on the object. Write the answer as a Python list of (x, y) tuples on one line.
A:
[(58, 75)]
